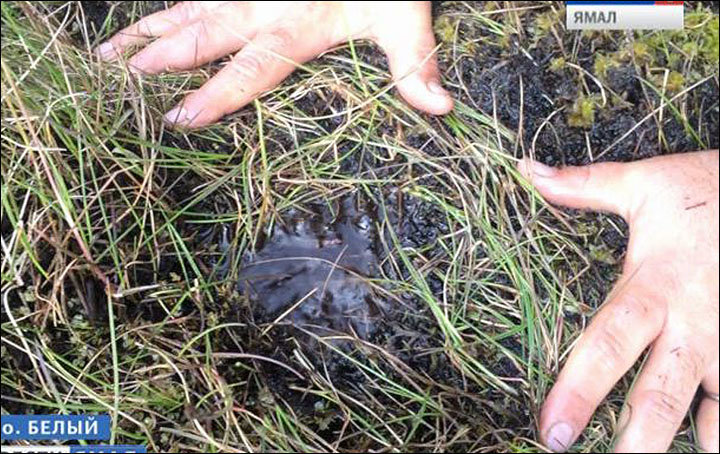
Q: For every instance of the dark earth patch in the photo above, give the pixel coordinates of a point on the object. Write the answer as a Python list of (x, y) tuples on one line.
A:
[(338, 248), (323, 259)]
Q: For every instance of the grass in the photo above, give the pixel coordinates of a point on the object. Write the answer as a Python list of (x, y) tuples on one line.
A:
[(122, 242)]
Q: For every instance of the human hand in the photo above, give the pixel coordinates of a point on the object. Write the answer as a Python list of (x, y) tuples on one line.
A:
[(272, 39), (667, 298)]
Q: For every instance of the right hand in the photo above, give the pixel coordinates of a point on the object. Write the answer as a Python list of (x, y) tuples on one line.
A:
[(666, 300)]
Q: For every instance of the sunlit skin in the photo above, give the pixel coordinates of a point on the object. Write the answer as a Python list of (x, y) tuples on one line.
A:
[(268, 40), (665, 301)]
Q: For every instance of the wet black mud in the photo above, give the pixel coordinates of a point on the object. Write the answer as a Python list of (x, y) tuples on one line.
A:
[(319, 268), (314, 272)]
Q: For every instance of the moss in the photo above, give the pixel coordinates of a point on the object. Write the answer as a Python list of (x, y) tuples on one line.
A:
[(582, 113), (602, 253), (445, 29), (642, 53), (671, 49), (670, 83), (471, 47), (674, 60), (711, 49), (690, 49), (602, 64), (506, 40), (675, 82), (587, 229), (701, 26), (492, 6), (557, 65), (544, 22)]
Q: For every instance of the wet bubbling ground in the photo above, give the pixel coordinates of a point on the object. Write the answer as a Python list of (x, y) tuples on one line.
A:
[(314, 272)]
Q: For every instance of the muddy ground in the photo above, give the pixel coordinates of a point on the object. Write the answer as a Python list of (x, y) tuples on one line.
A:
[(337, 244)]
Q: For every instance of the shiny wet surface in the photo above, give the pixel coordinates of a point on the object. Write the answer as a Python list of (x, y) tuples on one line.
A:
[(314, 272)]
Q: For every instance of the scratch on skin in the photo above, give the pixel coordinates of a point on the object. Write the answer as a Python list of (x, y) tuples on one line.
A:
[(697, 205)]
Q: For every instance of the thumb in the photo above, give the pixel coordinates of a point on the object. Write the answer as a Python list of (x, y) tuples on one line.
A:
[(410, 50), (601, 186)]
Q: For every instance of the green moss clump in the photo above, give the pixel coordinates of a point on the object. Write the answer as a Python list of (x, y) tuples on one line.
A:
[(711, 49), (701, 26), (557, 65), (602, 253), (602, 64), (544, 22), (675, 82), (582, 113), (672, 48), (642, 53), (506, 40), (445, 29)]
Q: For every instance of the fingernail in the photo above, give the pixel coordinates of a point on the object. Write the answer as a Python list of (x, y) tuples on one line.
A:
[(177, 117), (435, 87), (105, 51), (559, 437), (539, 169)]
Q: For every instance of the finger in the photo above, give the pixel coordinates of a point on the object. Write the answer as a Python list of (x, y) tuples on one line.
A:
[(659, 400), (707, 425), (259, 66), (154, 25), (600, 186), (601, 357), (413, 63), (208, 38), (707, 414)]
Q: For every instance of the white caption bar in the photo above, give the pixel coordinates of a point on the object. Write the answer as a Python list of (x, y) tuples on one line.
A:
[(624, 17)]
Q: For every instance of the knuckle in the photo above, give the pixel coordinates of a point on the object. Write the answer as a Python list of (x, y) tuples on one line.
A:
[(580, 399), (636, 306), (612, 338), (260, 58), (627, 308), (690, 362), (636, 310), (664, 407), (610, 347), (249, 65), (197, 32), (186, 10), (281, 38)]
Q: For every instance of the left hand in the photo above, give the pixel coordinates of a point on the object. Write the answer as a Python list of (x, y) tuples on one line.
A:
[(666, 299), (269, 41)]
